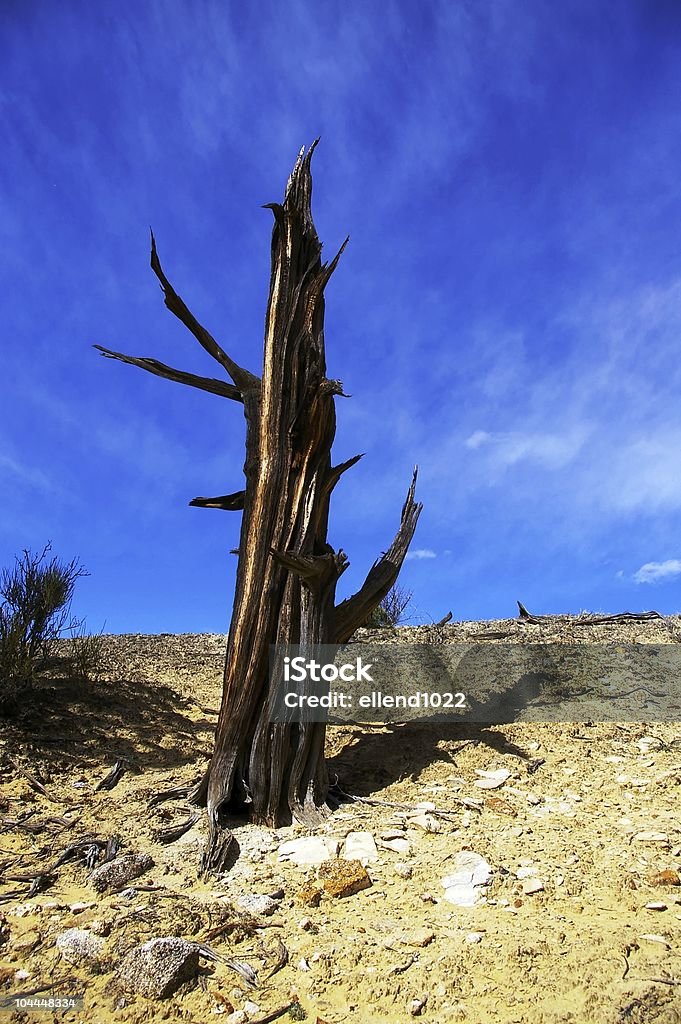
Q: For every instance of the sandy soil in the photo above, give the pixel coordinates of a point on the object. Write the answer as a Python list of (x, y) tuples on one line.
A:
[(588, 818)]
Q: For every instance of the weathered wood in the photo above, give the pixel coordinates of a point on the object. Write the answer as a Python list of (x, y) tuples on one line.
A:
[(230, 502), (287, 572), (214, 387)]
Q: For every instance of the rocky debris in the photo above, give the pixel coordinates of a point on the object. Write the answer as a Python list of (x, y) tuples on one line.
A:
[(309, 850), (117, 873), (79, 946), (259, 905), (403, 870), (344, 877), (532, 885), (465, 885), (158, 967), (310, 894), (360, 846)]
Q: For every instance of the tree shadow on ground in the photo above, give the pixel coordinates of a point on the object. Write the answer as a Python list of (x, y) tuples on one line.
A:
[(130, 719), (370, 761)]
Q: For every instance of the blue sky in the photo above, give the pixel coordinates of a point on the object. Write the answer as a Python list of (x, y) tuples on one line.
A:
[(507, 314)]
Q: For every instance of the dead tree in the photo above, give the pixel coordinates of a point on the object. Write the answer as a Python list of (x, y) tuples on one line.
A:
[(287, 571)]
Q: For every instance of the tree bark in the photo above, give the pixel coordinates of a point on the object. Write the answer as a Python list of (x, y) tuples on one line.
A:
[(287, 572)]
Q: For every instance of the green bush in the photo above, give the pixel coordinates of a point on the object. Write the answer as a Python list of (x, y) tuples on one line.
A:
[(35, 611), (390, 612)]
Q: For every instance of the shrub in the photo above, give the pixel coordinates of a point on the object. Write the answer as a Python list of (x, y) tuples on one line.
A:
[(390, 612), (35, 611)]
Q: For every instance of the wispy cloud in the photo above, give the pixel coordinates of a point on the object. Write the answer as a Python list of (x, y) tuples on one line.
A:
[(657, 572), (420, 554), (551, 450)]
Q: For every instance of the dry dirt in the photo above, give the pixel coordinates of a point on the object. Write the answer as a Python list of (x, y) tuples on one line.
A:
[(589, 817)]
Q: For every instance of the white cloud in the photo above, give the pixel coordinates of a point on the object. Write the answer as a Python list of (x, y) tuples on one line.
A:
[(477, 438), (548, 449), (655, 572), (420, 553)]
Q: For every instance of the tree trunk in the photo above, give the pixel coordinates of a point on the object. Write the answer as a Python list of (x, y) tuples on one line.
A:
[(287, 572)]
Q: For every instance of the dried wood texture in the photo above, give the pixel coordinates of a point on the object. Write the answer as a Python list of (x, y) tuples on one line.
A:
[(287, 572)]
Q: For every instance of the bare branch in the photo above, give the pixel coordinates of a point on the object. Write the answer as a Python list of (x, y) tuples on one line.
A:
[(312, 568), (242, 378), (210, 384), (336, 472), (228, 502), (351, 613)]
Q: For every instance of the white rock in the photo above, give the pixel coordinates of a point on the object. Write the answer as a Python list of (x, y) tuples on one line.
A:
[(475, 937), (251, 1008), (650, 836), (403, 870), (426, 822), (22, 974), (532, 885), (309, 850), (648, 743), (397, 845), (525, 872), (656, 938), (303, 965), (77, 945), (257, 904), (491, 779), (360, 846), (238, 1017), (464, 886), (656, 905)]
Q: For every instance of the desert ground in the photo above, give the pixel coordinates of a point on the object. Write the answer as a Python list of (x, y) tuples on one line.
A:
[(579, 824)]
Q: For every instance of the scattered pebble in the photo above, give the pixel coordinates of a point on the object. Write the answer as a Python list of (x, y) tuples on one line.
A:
[(532, 885), (656, 905), (403, 870), (416, 1006), (78, 908), (474, 937)]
